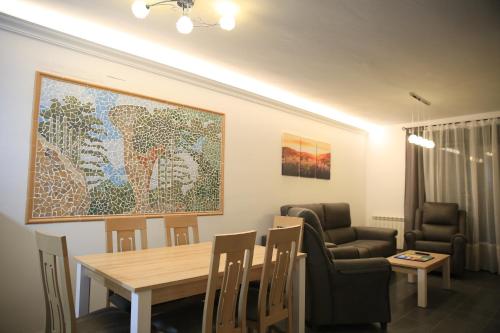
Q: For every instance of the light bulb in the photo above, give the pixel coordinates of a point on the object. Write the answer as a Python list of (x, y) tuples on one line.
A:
[(419, 141), (412, 139), (140, 9), (227, 22), (431, 144), (226, 8), (184, 24)]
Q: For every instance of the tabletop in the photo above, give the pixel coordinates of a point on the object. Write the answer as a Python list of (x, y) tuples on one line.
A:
[(437, 258), (159, 267)]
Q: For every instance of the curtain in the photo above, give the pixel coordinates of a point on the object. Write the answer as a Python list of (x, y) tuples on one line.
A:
[(464, 168), (414, 181)]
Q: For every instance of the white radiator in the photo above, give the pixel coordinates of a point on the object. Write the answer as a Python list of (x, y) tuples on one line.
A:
[(397, 223)]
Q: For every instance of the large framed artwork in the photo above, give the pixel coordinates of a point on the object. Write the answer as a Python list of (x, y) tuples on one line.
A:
[(98, 152), (302, 157)]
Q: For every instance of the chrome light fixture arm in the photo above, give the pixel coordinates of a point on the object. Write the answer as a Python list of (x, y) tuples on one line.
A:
[(184, 4), (227, 10)]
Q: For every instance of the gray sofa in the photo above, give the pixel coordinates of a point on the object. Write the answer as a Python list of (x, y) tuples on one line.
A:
[(341, 237)]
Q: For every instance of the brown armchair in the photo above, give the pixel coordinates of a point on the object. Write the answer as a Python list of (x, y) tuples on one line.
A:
[(440, 227)]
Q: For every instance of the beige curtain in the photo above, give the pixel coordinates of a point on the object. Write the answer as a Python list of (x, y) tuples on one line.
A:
[(464, 168), (414, 180)]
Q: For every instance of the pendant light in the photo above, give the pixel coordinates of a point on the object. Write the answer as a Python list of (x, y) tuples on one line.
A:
[(417, 139)]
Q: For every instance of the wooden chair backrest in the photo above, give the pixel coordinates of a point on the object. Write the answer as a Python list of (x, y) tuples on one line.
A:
[(125, 228), (237, 253), (180, 225), (275, 291), (290, 221), (59, 306)]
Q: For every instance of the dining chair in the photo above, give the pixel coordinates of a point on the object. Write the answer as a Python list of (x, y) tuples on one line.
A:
[(224, 309), (180, 225), (59, 305), (272, 303), (290, 221), (125, 228)]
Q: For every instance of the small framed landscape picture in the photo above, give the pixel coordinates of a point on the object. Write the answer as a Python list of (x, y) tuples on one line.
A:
[(323, 158), (307, 158), (290, 155)]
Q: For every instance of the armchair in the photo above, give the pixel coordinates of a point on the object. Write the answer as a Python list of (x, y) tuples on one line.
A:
[(342, 291), (440, 227)]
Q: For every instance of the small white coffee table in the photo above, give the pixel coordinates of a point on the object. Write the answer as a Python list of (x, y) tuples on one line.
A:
[(419, 270)]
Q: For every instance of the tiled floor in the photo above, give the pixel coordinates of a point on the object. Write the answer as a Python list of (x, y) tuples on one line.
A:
[(473, 305)]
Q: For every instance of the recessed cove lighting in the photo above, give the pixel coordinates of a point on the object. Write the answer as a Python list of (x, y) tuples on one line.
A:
[(113, 38)]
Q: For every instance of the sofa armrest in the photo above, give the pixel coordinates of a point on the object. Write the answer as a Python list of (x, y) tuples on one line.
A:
[(344, 252), (359, 266), (411, 237), (458, 241), (330, 245), (458, 244), (375, 233)]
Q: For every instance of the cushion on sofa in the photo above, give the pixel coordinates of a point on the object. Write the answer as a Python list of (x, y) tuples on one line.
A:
[(337, 215), (371, 248), (439, 233), (340, 235), (317, 208), (429, 246), (440, 213)]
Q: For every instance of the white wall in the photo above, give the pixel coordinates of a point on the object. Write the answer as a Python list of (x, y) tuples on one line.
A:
[(254, 188), (385, 173)]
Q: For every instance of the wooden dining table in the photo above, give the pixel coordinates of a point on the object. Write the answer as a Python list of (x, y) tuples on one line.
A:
[(157, 275)]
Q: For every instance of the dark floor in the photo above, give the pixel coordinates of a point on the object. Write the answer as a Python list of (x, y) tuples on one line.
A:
[(472, 305)]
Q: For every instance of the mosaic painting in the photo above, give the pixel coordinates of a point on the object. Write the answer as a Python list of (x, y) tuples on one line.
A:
[(98, 152), (301, 157)]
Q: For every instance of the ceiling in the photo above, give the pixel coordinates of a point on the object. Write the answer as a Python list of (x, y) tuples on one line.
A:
[(359, 56)]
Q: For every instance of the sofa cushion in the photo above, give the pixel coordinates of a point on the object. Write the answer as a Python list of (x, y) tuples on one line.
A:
[(337, 215), (317, 208), (440, 213), (340, 235), (439, 233), (438, 247), (372, 248)]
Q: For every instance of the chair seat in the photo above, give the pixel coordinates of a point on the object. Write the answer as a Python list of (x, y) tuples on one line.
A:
[(123, 304), (371, 248), (431, 246), (252, 302), (252, 299), (185, 317), (107, 320), (120, 302)]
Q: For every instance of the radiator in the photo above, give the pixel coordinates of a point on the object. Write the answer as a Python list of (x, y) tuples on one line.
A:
[(391, 223)]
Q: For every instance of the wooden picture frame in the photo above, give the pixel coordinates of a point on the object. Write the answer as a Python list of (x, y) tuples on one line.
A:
[(97, 154)]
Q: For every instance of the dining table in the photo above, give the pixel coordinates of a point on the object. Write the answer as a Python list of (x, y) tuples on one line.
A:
[(157, 275)]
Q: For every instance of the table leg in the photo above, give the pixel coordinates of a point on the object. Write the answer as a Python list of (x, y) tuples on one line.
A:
[(446, 274), (82, 303), (299, 296), (422, 288), (140, 312)]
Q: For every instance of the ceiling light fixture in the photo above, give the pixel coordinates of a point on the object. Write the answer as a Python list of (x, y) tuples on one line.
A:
[(226, 9), (129, 43), (417, 139)]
